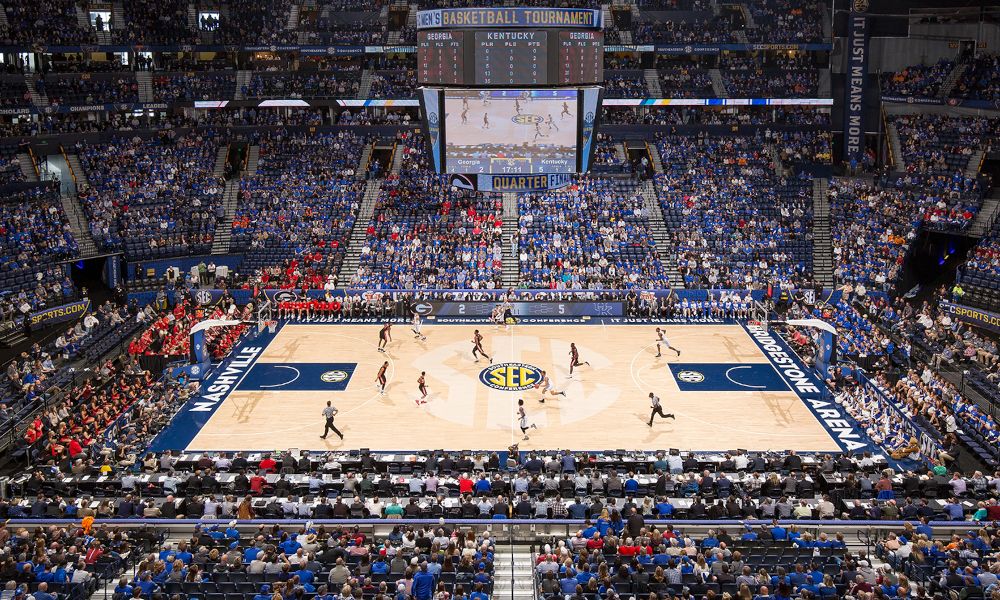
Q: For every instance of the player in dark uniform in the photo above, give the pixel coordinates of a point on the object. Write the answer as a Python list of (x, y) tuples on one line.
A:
[(384, 336), (574, 360), (565, 110), (380, 380), (486, 120), (465, 103), (465, 116), (551, 123), (517, 106), (422, 387), (477, 347)]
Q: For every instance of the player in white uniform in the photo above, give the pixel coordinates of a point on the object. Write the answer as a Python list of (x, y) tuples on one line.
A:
[(548, 386), (416, 327), (497, 316), (523, 419), (661, 338)]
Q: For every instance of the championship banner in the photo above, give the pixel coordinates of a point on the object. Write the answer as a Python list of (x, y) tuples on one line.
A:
[(972, 316), (59, 314), (856, 90), (509, 17)]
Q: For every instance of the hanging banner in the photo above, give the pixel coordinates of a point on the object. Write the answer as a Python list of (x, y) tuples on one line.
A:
[(59, 314), (974, 316), (112, 275), (431, 108), (856, 89)]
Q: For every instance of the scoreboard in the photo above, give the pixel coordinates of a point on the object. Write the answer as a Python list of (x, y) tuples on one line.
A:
[(581, 57), (441, 57), (511, 58), (510, 46)]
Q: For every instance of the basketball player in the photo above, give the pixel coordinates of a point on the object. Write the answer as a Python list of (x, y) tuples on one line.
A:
[(485, 95), (551, 123), (465, 102), (465, 116), (380, 380), (508, 315), (517, 106), (565, 111), (661, 338), (416, 327), (538, 132), (422, 387), (523, 419), (477, 346), (384, 336), (574, 360), (497, 316), (657, 409), (486, 120), (548, 386)]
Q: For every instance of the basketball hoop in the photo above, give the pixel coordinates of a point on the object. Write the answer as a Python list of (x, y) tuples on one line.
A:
[(272, 326)]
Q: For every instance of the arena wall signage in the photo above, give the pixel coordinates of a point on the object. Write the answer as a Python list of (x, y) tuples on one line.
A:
[(509, 17), (59, 314), (973, 316)]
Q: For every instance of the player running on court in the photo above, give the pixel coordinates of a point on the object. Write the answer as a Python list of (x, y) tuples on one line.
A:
[(538, 132), (416, 327), (547, 386), (422, 387), (551, 123), (522, 418), (465, 116), (661, 338), (486, 120), (477, 346), (565, 111), (384, 336), (574, 360), (497, 316), (465, 102), (657, 409), (517, 106), (380, 380)]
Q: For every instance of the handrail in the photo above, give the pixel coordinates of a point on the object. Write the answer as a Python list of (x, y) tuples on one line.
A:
[(68, 166)]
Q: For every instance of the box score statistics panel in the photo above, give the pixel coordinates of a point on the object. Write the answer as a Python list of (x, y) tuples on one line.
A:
[(512, 57), (581, 56), (441, 57)]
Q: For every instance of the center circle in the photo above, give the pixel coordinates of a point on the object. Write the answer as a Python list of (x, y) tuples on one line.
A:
[(511, 376)]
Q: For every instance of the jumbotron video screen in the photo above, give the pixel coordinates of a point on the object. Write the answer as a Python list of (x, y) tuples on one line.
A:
[(510, 131)]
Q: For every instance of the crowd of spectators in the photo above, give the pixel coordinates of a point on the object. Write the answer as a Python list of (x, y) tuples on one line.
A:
[(388, 84), (798, 146), (605, 153), (426, 235), (326, 84), (940, 144), (300, 207), (591, 235), (786, 21), (183, 87), (358, 33), (88, 90), (698, 32), (918, 80), (624, 86), (265, 117), (785, 115), (364, 117), (45, 23), (152, 197), (254, 22), (979, 81), (871, 229), (692, 83), (156, 22), (10, 170), (169, 333), (771, 84), (734, 223)]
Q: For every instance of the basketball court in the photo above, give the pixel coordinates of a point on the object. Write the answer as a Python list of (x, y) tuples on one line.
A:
[(722, 388), (508, 126)]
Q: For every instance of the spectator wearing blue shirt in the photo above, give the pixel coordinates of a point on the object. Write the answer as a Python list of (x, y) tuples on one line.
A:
[(778, 532), (423, 583), (263, 595), (479, 594), (569, 582), (954, 510), (433, 566), (483, 485), (664, 509)]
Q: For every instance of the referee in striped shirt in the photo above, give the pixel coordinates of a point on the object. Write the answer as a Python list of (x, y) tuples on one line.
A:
[(330, 412)]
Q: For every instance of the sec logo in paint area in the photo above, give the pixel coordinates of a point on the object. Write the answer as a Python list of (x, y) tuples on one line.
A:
[(691, 376), (333, 376), (510, 377)]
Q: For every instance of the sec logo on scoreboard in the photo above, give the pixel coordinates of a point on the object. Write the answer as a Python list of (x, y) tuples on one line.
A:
[(510, 377), (527, 119)]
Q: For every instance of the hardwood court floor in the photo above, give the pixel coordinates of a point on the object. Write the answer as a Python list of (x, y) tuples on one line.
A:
[(607, 406)]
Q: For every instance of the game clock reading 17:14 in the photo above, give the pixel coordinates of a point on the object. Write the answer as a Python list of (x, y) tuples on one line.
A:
[(511, 57)]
